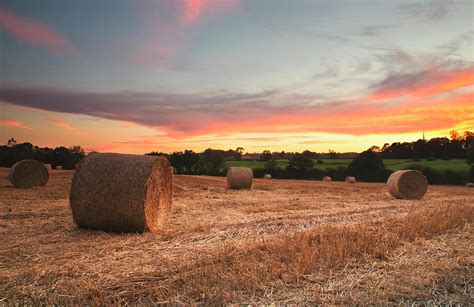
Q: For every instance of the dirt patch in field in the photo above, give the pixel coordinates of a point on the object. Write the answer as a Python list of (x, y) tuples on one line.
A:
[(45, 258)]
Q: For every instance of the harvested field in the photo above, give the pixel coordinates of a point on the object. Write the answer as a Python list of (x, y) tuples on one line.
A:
[(284, 241)]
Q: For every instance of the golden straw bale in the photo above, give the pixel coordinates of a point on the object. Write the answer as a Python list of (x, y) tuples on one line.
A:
[(28, 174), (122, 193), (407, 184), (239, 178)]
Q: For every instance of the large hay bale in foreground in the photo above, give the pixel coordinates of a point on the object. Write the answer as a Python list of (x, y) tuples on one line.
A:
[(28, 174), (122, 193), (407, 184), (267, 176), (327, 178), (239, 178), (350, 179)]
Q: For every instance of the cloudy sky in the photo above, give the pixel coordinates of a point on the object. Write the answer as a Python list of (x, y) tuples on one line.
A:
[(137, 76)]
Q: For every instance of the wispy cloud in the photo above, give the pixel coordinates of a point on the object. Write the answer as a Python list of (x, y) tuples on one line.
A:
[(374, 30), (191, 11), (399, 103), (35, 33), (169, 35), (11, 123), (57, 120), (428, 10), (423, 83)]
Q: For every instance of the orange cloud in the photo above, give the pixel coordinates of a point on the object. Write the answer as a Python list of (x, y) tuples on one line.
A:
[(57, 121), (14, 124), (360, 119), (430, 83), (34, 32)]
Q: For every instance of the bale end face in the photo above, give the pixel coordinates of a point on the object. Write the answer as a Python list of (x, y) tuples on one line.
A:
[(27, 174), (350, 180), (239, 178), (122, 193), (327, 178), (407, 184)]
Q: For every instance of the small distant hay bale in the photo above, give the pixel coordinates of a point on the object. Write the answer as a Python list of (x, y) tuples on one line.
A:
[(407, 184), (48, 166), (267, 176), (59, 167), (122, 193), (350, 179), (239, 178), (470, 185), (27, 174), (327, 178)]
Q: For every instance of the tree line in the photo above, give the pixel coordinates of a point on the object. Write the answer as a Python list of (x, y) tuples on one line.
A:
[(366, 166), (66, 157)]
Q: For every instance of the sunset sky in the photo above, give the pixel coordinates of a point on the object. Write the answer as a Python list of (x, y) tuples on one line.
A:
[(167, 75)]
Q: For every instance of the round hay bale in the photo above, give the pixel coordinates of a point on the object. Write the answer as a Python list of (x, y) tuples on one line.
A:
[(122, 193), (350, 179), (327, 178), (48, 166), (407, 184), (59, 167), (239, 178), (27, 174), (470, 185), (267, 176)]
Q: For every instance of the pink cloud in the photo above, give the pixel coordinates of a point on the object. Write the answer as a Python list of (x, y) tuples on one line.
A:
[(191, 11), (169, 35), (34, 33), (11, 123)]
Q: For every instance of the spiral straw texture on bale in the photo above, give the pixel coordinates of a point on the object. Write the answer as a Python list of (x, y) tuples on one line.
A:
[(122, 193), (407, 184)]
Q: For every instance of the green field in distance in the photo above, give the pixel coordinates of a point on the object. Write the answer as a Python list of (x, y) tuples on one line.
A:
[(393, 164)]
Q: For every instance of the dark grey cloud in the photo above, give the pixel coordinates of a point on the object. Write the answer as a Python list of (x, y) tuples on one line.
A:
[(178, 111), (175, 112)]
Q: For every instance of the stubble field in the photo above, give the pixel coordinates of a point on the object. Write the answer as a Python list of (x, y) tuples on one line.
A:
[(284, 241)]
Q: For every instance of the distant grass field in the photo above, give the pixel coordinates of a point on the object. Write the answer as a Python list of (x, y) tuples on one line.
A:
[(393, 164)]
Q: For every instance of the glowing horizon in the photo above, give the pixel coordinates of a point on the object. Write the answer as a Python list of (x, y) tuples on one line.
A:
[(196, 74)]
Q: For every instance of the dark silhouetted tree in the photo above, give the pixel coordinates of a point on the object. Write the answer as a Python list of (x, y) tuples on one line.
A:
[(367, 166), (299, 166), (212, 161), (266, 155)]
